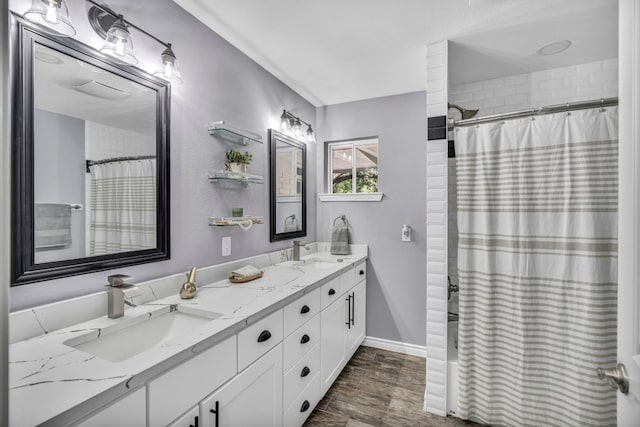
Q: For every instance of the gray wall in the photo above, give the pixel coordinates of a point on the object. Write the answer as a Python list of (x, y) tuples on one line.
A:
[(396, 270), (220, 83), (59, 163)]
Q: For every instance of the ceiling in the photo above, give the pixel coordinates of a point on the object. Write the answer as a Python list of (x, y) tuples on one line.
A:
[(336, 51), (68, 86)]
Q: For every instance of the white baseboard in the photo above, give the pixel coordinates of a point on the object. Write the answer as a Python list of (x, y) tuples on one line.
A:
[(398, 347)]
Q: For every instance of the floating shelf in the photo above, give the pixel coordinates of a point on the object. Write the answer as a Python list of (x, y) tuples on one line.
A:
[(243, 221), (234, 134), (245, 178)]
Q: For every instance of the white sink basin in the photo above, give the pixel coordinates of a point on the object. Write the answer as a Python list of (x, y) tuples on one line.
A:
[(131, 337)]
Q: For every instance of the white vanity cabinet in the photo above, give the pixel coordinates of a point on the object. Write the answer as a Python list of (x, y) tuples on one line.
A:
[(190, 419), (129, 411), (301, 358), (173, 393), (343, 323), (252, 398)]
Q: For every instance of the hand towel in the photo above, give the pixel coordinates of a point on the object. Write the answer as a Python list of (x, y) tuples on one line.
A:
[(244, 272), (52, 225), (291, 224), (340, 236)]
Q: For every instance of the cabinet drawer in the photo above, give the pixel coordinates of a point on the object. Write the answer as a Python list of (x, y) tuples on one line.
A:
[(348, 280), (301, 341), (259, 338), (301, 310), (330, 291), (361, 272), (301, 375), (174, 392), (302, 407)]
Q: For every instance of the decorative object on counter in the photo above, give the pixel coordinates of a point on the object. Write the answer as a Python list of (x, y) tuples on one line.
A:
[(292, 125), (188, 289), (237, 162), (245, 274), (245, 222), (237, 212), (291, 223), (340, 236)]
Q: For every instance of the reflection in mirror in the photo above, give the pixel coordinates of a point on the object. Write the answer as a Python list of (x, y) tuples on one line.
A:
[(88, 151), (90, 187), (288, 202)]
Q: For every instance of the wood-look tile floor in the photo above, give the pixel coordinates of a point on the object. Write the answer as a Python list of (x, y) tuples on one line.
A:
[(379, 388)]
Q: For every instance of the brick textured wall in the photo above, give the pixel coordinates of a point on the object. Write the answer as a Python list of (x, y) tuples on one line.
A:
[(582, 82)]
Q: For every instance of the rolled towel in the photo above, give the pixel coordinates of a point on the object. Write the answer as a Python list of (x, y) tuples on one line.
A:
[(244, 272)]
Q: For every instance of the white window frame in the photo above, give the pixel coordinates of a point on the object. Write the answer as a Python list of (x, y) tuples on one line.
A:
[(330, 196)]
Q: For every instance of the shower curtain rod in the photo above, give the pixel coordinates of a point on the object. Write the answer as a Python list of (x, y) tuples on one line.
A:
[(117, 159), (558, 108)]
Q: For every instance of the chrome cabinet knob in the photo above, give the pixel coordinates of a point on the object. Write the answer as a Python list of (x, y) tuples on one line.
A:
[(617, 377)]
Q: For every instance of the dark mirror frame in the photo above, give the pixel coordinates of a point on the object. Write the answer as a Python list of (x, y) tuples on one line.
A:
[(23, 267), (274, 136)]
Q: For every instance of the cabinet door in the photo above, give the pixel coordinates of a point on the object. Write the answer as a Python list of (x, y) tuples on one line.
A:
[(190, 419), (130, 411), (333, 336), (253, 398), (356, 331), (177, 390)]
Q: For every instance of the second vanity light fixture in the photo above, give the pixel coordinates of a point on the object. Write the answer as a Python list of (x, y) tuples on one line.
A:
[(293, 125)]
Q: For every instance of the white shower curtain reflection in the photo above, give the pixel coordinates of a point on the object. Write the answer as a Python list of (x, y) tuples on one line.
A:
[(123, 206), (537, 260)]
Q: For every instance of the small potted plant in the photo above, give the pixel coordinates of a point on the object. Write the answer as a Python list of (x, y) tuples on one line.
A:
[(237, 162)]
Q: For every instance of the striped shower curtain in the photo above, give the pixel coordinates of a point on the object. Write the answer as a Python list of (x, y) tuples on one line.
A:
[(537, 260), (123, 206)]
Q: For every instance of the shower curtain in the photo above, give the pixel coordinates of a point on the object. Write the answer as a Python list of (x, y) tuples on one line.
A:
[(537, 260), (123, 206)]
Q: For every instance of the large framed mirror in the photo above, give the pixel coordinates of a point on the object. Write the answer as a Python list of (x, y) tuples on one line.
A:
[(90, 173), (287, 165)]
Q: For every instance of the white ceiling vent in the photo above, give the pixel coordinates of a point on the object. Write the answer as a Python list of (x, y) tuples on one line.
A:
[(101, 90)]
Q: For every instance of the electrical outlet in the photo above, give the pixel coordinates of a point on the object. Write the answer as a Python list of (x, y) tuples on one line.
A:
[(226, 246)]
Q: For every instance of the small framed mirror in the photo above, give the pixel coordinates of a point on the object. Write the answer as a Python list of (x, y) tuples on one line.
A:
[(90, 176), (287, 165)]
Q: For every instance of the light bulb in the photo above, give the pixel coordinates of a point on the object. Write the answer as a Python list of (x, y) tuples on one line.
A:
[(52, 13), (119, 50), (168, 70)]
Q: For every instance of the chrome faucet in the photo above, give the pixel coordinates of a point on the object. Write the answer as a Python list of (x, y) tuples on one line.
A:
[(296, 248), (117, 290)]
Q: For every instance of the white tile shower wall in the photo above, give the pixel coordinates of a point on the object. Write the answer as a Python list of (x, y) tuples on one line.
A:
[(121, 142), (436, 390), (582, 82)]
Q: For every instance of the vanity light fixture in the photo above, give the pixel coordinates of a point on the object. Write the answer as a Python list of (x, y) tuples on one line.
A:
[(52, 16), (292, 125), (118, 44)]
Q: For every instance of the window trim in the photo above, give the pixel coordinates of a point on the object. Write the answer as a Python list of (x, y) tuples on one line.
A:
[(329, 169)]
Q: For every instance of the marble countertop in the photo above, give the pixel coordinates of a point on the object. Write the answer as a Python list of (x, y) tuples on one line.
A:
[(52, 383)]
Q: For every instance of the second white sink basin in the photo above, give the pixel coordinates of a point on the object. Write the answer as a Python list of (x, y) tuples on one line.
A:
[(132, 337)]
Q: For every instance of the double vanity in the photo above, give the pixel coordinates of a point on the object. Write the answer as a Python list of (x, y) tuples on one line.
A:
[(261, 353)]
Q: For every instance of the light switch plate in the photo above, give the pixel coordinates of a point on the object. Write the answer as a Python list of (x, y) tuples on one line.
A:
[(226, 246)]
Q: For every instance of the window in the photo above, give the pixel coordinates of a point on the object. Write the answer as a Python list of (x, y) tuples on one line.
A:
[(353, 166)]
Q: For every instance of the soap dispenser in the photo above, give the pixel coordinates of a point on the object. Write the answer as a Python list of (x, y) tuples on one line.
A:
[(188, 289)]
